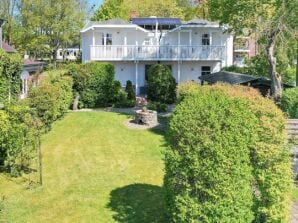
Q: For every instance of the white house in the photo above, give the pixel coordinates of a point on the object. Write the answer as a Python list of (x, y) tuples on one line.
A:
[(191, 49), (71, 53)]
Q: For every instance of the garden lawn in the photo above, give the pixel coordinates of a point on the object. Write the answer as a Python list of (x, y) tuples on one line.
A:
[(95, 170)]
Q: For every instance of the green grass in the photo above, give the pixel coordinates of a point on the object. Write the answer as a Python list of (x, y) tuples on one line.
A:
[(95, 170)]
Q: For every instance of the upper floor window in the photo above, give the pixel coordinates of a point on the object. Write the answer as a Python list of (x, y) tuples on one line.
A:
[(107, 39), (206, 39)]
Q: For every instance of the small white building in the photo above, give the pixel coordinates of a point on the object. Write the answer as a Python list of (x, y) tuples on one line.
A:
[(72, 53), (191, 49)]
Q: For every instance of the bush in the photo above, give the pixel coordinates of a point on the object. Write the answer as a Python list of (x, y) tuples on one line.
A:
[(161, 84), (130, 91), (269, 155), (208, 174), (10, 70), (157, 106), (94, 83), (51, 99), (17, 137), (289, 102)]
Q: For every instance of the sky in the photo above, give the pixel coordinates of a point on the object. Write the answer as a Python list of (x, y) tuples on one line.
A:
[(96, 2)]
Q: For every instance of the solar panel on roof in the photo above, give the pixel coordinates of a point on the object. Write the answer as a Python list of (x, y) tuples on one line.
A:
[(153, 21)]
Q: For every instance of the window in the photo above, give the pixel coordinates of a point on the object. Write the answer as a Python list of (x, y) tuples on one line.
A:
[(106, 39), (205, 39), (205, 70), (60, 53)]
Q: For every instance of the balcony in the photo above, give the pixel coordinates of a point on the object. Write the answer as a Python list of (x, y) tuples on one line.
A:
[(161, 53)]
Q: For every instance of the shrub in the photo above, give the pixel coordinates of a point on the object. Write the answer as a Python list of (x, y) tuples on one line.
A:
[(161, 84), (157, 106), (289, 102), (130, 91), (17, 137), (208, 174), (51, 99), (10, 69), (94, 83), (269, 155)]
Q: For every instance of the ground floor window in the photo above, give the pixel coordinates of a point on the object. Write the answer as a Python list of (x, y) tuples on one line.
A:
[(206, 70)]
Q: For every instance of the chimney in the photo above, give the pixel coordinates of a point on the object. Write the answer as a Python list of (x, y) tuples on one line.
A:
[(133, 14)]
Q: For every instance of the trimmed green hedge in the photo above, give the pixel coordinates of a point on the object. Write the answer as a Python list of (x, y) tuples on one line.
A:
[(51, 98), (17, 137), (196, 132), (289, 102), (208, 172), (10, 70), (161, 84)]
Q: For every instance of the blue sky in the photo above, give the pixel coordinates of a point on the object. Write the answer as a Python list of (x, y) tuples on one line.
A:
[(96, 2)]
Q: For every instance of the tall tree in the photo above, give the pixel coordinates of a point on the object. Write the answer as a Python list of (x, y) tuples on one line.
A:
[(272, 20), (47, 25), (144, 8), (8, 10)]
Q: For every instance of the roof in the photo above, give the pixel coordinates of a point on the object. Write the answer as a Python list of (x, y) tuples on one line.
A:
[(228, 77), (154, 20), (201, 22), (7, 48), (119, 23), (237, 78)]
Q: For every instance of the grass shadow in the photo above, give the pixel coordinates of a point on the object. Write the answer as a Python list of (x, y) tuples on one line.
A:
[(138, 203)]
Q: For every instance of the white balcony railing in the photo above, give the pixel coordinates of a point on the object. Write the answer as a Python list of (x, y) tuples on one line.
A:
[(114, 52)]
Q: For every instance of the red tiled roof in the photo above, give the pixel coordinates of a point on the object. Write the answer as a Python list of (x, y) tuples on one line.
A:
[(7, 48)]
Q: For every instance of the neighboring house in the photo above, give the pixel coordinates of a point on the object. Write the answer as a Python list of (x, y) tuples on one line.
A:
[(191, 49), (263, 84), (29, 66), (71, 53), (244, 48)]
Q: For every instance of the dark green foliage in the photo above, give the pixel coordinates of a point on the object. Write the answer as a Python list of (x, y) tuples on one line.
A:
[(94, 82), (157, 106), (289, 102), (269, 155), (10, 69), (17, 137), (96, 86), (208, 173), (51, 99), (130, 91), (161, 84)]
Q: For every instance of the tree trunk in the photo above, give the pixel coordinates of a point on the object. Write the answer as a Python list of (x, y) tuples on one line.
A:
[(54, 55), (276, 85)]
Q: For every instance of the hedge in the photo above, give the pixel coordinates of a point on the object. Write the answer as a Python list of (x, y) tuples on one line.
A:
[(10, 70), (269, 155), (289, 102), (51, 99), (17, 137), (208, 171), (161, 84)]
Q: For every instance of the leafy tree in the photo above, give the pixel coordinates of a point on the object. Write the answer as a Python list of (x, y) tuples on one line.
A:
[(272, 20), (161, 84), (45, 26), (144, 8)]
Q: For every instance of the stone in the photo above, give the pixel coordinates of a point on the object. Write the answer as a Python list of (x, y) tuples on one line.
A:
[(148, 117)]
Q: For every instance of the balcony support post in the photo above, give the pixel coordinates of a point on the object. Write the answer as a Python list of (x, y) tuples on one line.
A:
[(179, 71), (137, 78)]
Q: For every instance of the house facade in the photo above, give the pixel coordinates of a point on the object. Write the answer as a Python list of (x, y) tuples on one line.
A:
[(190, 49), (244, 48)]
